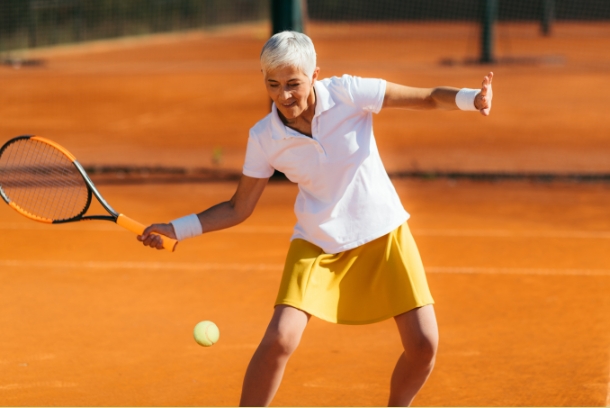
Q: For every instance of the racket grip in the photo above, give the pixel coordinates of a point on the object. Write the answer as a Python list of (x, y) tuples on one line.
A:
[(137, 228)]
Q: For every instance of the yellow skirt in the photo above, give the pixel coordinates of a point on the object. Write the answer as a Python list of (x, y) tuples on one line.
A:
[(367, 284)]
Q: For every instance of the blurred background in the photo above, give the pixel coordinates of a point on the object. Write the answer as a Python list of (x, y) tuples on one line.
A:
[(174, 85)]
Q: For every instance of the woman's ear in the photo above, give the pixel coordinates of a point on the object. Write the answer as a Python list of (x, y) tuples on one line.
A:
[(316, 73)]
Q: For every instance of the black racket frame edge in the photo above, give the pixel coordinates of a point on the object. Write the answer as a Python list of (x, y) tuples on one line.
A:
[(91, 190)]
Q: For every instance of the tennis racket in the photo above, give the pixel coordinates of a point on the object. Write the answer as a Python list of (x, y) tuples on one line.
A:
[(44, 182)]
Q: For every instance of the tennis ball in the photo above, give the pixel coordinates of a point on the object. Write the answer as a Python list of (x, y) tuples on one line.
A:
[(206, 333)]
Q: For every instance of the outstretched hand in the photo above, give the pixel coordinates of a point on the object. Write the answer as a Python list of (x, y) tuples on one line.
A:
[(483, 100), (150, 237)]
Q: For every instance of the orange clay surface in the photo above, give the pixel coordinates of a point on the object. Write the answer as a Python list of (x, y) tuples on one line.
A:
[(173, 99), (520, 271)]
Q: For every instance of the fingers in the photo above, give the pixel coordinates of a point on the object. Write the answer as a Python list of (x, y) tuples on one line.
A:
[(152, 235), (486, 85), (152, 228), (486, 95), (488, 78), (152, 240)]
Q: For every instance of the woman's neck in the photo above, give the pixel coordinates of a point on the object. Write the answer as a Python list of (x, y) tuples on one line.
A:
[(302, 123)]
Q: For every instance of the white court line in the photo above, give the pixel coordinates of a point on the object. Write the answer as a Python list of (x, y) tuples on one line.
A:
[(195, 266), (46, 384), (253, 229), (41, 226), (457, 232), (510, 234), (517, 271), (138, 265), (108, 226), (38, 357)]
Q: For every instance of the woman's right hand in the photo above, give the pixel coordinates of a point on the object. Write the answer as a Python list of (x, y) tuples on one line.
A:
[(150, 237)]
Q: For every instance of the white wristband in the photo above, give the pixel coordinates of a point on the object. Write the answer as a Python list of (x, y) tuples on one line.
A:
[(464, 99), (187, 227)]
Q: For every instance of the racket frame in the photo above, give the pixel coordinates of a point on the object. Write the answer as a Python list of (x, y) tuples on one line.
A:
[(91, 189), (114, 216)]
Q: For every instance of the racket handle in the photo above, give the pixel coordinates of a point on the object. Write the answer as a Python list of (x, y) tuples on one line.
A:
[(137, 228)]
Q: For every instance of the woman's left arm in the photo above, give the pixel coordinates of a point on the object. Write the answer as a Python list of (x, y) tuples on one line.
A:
[(442, 97)]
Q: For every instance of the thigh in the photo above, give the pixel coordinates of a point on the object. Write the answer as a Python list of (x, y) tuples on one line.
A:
[(418, 329)]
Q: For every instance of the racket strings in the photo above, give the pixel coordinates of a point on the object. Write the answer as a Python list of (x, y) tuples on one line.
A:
[(42, 180)]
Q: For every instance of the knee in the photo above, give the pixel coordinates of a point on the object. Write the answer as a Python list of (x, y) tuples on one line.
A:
[(279, 343), (423, 351)]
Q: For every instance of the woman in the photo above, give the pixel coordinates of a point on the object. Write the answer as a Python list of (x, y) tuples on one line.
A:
[(352, 259)]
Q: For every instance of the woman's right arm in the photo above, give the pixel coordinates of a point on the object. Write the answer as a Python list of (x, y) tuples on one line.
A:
[(220, 216)]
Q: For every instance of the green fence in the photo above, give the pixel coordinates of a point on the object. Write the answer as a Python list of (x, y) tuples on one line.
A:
[(455, 10), (36, 23)]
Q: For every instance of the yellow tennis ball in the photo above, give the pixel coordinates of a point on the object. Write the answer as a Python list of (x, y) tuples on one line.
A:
[(206, 333)]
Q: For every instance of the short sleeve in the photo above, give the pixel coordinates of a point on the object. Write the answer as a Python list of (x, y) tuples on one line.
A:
[(366, 93), (256, 164)]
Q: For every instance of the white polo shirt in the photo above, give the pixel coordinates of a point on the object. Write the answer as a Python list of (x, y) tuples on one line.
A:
[(346, 198)]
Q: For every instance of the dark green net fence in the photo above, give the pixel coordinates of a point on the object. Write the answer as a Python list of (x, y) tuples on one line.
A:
[(486, 18), (38, 23), (457, 10)]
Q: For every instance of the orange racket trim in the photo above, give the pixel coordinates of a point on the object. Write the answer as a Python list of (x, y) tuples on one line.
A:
[(29, 215), (55, 145)]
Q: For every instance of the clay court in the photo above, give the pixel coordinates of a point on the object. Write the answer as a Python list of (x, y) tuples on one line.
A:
[(519, 269)]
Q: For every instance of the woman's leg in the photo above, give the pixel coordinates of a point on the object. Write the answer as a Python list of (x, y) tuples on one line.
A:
[(419, 335), (266, 369)]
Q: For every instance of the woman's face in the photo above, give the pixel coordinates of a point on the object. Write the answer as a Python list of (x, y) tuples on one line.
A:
[(291, 90)]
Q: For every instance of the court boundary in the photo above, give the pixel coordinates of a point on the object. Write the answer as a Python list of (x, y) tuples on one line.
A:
[(242, 267), (287, 230)]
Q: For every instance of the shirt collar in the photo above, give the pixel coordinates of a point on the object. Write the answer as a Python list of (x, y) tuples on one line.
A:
[(324, 101), (278, 128)]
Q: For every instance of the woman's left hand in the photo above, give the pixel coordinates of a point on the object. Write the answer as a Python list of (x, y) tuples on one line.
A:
[(483, 100)]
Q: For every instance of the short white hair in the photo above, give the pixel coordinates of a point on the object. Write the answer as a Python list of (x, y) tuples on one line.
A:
[(289, 48)]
